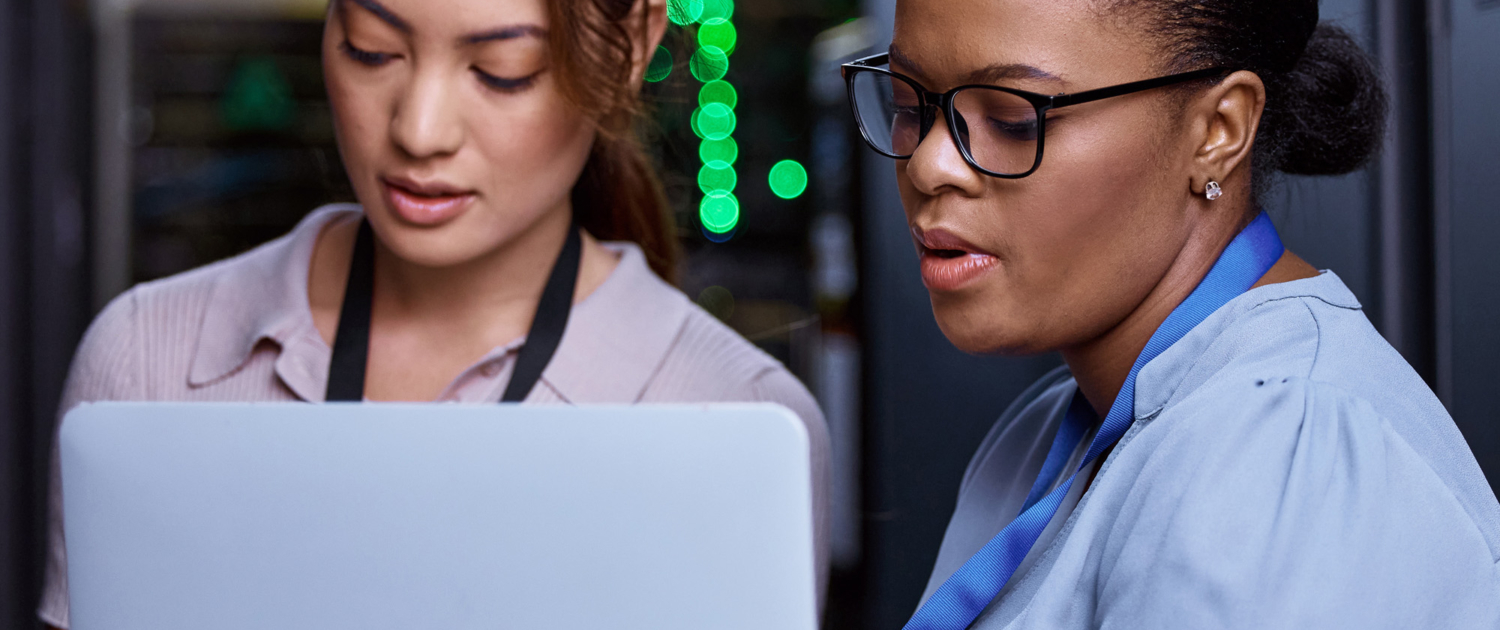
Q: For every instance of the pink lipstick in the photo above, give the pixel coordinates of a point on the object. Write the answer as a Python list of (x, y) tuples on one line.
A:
[(426, 203), (950, 263)]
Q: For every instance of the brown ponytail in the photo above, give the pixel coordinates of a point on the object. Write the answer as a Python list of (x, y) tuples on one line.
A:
[(618, 197)]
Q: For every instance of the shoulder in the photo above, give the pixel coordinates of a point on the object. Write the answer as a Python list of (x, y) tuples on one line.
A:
[(637, 338), (710, 361), (141, 333), (152, 331), (1294, 382), (1032, 414), (266, 269), (1272, 444), (1268, 489)]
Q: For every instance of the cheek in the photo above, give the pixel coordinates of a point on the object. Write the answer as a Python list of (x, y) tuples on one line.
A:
[(1083, 240), (361, 117), (1103, 226), (533, 150)]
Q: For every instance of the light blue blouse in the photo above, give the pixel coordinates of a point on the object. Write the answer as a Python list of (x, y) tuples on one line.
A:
[(1286, 469)]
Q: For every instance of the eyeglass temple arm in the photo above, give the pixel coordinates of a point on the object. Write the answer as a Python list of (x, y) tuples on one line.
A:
[(1064, 100), (872, 61)]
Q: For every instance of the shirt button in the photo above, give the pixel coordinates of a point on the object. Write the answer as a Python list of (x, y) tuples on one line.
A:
[(491, 369)]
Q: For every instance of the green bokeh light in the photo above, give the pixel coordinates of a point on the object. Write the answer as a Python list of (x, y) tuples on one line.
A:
[(709, 63), (717, 176), (259, 98), (684, 12), (723, 152), (718, 92), (661, 65), (788, 179), (717, 300), (715, 121), (720, 33), (721, 9), (719, 212)]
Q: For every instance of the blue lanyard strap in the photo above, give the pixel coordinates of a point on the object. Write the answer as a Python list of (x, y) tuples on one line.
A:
[(960, 600)]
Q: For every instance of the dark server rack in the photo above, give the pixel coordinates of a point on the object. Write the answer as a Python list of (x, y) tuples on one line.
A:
[(231, 137)]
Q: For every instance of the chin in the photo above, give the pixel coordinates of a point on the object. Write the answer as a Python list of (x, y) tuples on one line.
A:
[(448, 245), (986, 329)]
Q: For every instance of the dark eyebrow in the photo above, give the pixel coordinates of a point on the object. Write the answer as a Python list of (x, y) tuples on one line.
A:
[(505, 33), (901, 59), (1002, 72), (996, 73), (384, 14)]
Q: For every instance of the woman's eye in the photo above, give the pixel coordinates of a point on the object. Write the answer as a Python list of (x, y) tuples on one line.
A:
[(503, 84), (364, 56), (1024, 130)]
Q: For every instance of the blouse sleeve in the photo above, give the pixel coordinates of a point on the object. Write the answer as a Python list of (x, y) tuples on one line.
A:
[(1301, 509), (780, 387), (104, 368)]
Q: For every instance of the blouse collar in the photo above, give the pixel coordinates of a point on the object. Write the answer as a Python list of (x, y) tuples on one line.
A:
[(615, 340)]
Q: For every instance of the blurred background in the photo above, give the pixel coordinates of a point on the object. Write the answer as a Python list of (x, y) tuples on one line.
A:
[(140, 138)]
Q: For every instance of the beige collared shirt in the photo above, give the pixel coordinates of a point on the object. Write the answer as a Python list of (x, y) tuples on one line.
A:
[(242, 330)]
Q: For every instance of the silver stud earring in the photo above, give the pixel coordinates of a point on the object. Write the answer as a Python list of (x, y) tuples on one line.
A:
[(1212, 190)]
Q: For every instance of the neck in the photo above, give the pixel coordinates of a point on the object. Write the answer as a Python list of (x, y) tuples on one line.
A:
[(1101, 365), (478, 305), (491, 298)]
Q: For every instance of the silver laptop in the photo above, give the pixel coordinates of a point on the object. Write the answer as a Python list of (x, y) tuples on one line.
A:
[(232, 516)]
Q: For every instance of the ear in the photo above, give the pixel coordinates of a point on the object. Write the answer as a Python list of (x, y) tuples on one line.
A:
[(1229, 116), (650, 17)]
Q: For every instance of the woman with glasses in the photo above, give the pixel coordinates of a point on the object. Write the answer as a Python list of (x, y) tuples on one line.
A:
[(510, 244), (1231, 443)]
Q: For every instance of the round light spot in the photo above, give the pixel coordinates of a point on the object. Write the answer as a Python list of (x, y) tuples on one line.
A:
[(661, 65), (719, 212), (788, 179), (722, 152), (709, 63), (718, 301), (684, 12), (717, 176), (718, 92), (720, 9), (719, 33), (715, 121)]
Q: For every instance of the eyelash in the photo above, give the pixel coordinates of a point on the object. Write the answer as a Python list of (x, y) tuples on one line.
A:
[(372, 59), (502, 84), (499, 84)]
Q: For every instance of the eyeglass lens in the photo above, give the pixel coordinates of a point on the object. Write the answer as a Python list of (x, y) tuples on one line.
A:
[(998, 129)]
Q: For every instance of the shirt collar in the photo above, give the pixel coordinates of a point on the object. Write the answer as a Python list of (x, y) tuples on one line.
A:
[(615, 340), (1167, 377), (261, 296)]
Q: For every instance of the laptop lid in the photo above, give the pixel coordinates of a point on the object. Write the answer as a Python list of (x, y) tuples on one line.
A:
[(365, 516)]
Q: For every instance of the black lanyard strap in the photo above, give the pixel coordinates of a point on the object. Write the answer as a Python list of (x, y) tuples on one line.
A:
[(351, 345)]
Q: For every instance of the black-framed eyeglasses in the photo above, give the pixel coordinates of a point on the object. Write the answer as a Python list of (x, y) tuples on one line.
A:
[(1000, 131)]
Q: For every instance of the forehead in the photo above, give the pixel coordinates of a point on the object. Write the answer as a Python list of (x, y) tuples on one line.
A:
[(453, 17), (952, 39)]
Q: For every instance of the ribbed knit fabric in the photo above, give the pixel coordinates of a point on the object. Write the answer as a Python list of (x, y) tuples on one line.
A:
[(241, 330)]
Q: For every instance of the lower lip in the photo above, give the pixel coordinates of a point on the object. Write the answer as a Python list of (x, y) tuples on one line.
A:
[(952, 274), (422, 210)]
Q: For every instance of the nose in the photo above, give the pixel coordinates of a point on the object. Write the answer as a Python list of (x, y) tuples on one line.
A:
[(936, 167), (427, 122)]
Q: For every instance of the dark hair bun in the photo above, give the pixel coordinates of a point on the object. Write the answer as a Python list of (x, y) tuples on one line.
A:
[(1325, 103), (1326, 116)]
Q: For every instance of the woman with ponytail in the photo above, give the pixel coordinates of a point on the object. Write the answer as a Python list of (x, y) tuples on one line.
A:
[(1231, 444), (510, 244)]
